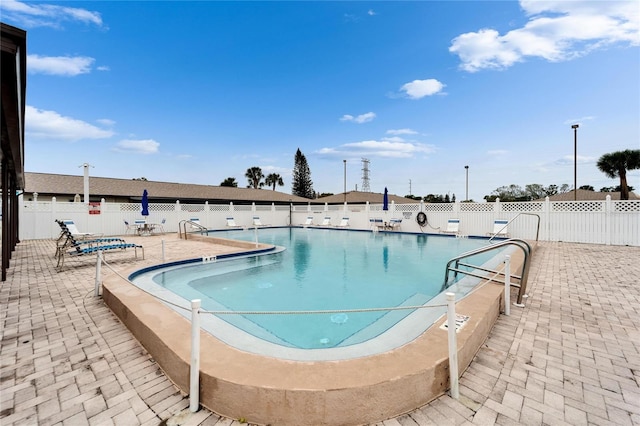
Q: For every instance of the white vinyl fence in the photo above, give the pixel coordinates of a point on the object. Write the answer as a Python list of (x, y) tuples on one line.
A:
[(596, 222)]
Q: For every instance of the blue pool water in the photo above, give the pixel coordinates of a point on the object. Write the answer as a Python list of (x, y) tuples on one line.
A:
[(320, 269)]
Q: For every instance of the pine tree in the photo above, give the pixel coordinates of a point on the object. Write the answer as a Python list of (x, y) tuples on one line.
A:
[(302, 185)]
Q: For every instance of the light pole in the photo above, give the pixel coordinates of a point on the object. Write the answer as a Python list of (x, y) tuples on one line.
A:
[(575, 161), (467, 185), (345, 180)]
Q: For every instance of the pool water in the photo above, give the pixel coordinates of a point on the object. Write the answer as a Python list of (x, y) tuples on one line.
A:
[(320, 269)]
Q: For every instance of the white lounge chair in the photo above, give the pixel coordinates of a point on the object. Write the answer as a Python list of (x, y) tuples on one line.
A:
[(309, 221), (73, 229), (326, 221), (344, 222), (376, 223), (453, 227), (395, 223), (232, 223), (500, 228), (195, 224), (258, 222)]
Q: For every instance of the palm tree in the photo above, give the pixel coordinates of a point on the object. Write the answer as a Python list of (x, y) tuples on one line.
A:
[(274, 179), (254, 176), (616, 164)]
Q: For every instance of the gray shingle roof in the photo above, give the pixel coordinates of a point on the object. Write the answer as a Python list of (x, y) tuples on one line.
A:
[(69, 185)]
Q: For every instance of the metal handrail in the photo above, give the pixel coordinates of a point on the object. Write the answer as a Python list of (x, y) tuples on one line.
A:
[(522, 244), (182, 226), (514, 218)]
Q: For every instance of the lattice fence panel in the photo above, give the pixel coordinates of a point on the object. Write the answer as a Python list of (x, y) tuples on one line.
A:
[(219, 207), (130, 207), (477, 207), (578, 206), (162, 207), (522, 207), (626, 206), (192, 208), (413, 207), (438, 207)]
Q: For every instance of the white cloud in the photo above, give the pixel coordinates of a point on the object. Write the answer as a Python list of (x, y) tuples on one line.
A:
[(556, 31), (580, 120), (568, 159), (401, 132), (371, 12), (141, 146), (497, 152), (106, 122), (418, 89), (51, 125), (59, 65), (394, 148), (362, 118), (47, 15)]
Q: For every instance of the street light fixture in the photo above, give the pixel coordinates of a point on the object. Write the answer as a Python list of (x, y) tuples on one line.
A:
[(575, 161), (345, 180), (467, 186)]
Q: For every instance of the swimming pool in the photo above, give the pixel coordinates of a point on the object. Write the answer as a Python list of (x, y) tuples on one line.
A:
[(320, 269)]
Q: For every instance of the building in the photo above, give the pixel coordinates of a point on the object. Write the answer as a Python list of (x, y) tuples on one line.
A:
[(69, 188), (13, 91)]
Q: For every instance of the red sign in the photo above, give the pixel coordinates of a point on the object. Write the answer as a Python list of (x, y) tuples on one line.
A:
[(94, 207)]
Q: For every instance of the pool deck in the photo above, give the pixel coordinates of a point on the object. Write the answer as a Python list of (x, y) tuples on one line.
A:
[(570, 356)]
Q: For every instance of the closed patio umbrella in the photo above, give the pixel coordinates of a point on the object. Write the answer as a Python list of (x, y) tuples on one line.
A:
[(145, 203), (385, 200)]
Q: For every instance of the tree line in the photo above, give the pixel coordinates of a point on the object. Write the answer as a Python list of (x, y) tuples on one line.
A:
[(614, 164), (302, 185)]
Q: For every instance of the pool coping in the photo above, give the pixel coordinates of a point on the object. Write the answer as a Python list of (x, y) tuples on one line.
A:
[(266, 390)]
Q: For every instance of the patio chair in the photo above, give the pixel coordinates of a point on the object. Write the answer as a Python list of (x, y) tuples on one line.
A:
[(130, 227), (309, 221), (73, 229), (195, 224), (499, 228), (394, 223), (344, 223), (376, 223), (231, 223), (160, 226), (258, 222), (453, 227), (326, 221)]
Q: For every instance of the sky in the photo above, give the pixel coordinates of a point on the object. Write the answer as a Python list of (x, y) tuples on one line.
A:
[(199, 91)]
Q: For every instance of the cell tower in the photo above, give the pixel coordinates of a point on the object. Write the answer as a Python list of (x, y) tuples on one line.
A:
[(365, 175)]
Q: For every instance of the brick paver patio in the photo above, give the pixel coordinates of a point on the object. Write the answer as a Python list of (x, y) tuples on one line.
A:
[(571, 356)]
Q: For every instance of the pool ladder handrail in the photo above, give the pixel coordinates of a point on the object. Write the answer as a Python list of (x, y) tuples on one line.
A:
[(521, 244), (182, 228), (514, 218)]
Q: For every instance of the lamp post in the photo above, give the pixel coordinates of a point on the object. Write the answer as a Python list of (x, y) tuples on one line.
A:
[(345, 180), (467, 184), (575, 161)]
